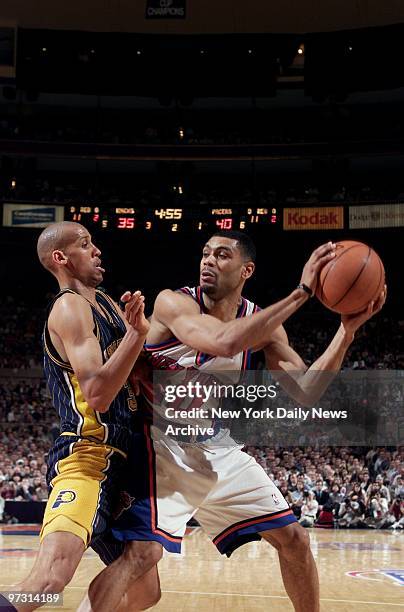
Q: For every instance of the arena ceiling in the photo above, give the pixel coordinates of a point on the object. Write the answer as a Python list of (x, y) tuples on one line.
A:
[(201, 16)]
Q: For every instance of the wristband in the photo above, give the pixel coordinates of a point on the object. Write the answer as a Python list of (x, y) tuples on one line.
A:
[(305, 288)]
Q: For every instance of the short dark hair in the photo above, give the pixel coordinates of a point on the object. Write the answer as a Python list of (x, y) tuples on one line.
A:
[(245, 243)]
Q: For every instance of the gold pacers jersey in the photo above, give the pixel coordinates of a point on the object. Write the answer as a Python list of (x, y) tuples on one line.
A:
[(76, 417)]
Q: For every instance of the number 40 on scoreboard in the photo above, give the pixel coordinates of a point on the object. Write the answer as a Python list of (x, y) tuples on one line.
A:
[(225, 224)]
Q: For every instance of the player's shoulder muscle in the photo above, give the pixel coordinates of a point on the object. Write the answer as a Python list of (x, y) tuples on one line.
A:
[(71, 314), (171, 304)]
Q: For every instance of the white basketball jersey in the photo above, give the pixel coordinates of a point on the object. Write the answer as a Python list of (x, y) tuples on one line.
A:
[(173, 355), (186, 363)]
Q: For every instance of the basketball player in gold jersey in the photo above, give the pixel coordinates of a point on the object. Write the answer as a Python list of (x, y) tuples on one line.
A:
[(213, 326), (90, 349)]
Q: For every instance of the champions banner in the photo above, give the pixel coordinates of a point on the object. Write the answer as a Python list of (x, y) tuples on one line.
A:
[(376, 215), (165, 9), (319, 218), (31, 215)]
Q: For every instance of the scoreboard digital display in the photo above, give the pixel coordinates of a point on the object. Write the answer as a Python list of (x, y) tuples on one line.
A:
[(171, 219)]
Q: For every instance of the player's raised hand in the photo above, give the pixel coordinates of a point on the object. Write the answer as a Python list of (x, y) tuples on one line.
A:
[(316, 261), (134, 311), (352, 322)]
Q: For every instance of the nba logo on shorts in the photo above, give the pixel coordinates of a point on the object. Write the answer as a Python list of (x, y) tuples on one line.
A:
[(275, 498), (64, 497)]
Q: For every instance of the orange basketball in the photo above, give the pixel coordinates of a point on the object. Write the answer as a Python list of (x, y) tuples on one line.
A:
[(352, 279)]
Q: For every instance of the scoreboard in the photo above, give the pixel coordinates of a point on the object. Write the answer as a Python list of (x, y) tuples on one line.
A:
[(171, 219)]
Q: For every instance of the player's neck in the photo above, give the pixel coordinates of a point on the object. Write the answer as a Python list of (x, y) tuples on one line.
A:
[(75, 285), (224, 308)]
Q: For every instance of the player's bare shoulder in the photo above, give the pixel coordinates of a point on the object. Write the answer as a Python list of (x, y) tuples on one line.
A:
[(174, 302), (69, 308)]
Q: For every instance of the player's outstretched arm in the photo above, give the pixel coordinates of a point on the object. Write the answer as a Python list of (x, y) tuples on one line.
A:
[(208, 334), (205, 333), (307, 384), (100, 382)]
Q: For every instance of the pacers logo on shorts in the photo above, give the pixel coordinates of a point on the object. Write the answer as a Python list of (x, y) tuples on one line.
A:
[(64, 497)]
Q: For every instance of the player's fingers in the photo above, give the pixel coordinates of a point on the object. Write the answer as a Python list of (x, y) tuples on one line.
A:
[(139, 313), (323, 250), (125, 297), (321, 261), (381, 300), (132, 307), (383, 294), (134, 298)]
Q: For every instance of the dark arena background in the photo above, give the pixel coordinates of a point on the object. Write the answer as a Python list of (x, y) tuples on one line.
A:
[(155, 124)]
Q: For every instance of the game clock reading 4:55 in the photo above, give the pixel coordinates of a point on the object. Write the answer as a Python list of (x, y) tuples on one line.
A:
[(171, 219)]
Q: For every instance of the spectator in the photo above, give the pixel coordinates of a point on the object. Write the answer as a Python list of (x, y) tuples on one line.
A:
[(2, 503), (359, 492), (336, 498), (321, 494), (297, 498), (326, 517), (397, 490), (398, 512), (309, 509), (352, 512), (377, 510)]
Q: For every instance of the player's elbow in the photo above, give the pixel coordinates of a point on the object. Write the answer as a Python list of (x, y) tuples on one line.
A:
[(94, 398), (92, 391), (97, 403)]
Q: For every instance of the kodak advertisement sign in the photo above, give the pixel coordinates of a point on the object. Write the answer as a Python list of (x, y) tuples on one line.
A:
[(318, 218)]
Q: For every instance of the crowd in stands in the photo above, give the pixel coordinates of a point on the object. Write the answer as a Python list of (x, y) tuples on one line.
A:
[(378, 344), (20, 329), (339, 487), (28, 425)]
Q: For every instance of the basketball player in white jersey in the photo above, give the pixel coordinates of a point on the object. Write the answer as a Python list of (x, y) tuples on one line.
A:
[(213, 328)]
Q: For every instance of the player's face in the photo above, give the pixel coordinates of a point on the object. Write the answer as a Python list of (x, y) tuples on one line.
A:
[(83, 258), (222, 268)]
